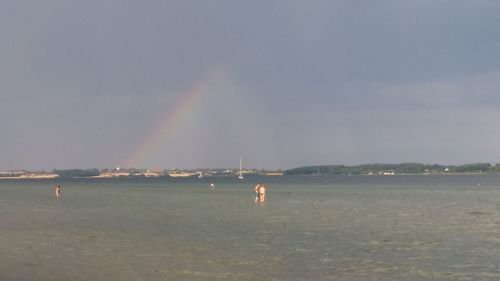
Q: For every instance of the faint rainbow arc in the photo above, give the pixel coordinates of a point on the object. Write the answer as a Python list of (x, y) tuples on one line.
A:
[(169, 122)]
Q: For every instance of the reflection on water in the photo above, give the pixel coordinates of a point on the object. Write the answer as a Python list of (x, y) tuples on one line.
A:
[(311, 228)]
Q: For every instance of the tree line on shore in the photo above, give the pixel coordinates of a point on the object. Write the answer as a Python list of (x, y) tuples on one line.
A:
[(77, 173), (365, 169), (403, 168)]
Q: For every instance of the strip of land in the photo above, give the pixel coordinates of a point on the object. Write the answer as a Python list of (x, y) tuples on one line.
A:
[(134, 173), (365, 169)]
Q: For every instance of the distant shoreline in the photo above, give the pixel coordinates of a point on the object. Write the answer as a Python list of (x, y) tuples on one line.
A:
[(30, 176), (104, 177), (396, 169), (132, 173), (319, 170)]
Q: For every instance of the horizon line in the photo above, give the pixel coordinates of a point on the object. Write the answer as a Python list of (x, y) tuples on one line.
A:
[(235, 168)]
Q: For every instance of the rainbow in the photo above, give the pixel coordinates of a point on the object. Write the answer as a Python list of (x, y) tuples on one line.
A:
[(171, 120)]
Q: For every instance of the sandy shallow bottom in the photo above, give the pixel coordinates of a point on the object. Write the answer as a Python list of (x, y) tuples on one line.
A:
[(408, 228)]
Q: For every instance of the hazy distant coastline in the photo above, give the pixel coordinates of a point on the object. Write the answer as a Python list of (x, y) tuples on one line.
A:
[(134, 173), (365, 169), (395, 169)]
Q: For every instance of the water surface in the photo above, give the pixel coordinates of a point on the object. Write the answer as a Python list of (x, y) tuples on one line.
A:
[(311, 228)]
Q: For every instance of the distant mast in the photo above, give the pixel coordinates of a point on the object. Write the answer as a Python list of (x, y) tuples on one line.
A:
[(240, 177)]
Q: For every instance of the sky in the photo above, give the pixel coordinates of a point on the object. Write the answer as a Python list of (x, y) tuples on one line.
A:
[(197, 84)]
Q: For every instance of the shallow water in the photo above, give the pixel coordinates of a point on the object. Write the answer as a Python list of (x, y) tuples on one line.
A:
[(311, 228)]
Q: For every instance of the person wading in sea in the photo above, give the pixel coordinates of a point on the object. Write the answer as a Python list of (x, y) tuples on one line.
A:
[(260, 190), (58, 191), (257, 192), (262, 193)]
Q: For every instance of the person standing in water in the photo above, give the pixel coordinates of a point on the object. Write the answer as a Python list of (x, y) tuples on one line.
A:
[(262, 193), (58, 191), (257, 192)]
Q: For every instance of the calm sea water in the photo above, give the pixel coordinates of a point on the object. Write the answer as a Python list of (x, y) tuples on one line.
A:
[(311, 228)]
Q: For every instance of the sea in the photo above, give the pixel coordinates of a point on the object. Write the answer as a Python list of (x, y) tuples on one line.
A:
[(425, 227)]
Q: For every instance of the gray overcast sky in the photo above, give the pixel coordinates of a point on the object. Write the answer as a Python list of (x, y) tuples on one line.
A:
[(88, 83)]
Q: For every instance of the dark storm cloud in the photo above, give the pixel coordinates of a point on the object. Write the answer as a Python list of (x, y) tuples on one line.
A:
[(83, 82)]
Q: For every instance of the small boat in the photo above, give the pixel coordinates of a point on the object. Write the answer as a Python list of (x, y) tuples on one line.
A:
[(240, 177)]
